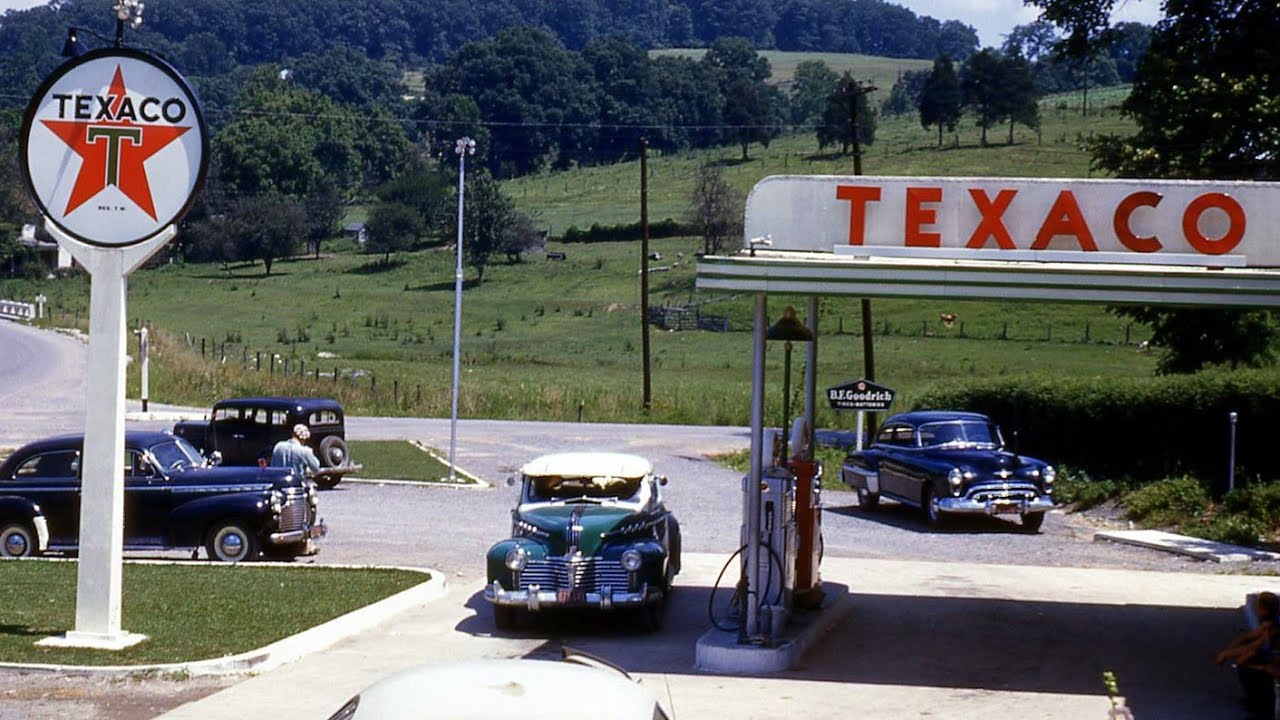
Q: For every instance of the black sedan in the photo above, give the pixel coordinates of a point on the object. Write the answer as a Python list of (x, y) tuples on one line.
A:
[(948, 462), (172, 499)]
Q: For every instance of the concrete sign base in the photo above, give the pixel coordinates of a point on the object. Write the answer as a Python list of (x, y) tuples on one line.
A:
[(98, 582), (93, 641)]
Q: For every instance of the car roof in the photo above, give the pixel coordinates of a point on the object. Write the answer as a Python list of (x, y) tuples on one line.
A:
[(301, 403), (919, 417), (504, 689), (131, 437), (588, 464)]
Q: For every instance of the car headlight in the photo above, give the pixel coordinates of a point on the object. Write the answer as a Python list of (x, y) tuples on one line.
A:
[(277, 501), (631, 560), (517, 558), (956, 478), (1049, 475)]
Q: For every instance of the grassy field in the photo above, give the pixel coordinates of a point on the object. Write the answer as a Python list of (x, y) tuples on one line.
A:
[(561, 340), (610, 195), (882, 72), (187, 612)]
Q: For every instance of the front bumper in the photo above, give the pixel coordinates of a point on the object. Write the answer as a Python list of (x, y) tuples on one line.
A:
[(996, 506), (535, 598), (315, 532)]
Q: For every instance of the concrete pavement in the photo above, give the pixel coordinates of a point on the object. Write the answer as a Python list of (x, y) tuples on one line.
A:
[(923, 639)]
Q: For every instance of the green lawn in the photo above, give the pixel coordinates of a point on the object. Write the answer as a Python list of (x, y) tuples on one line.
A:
[(188, 612), (883, 72), (399, 460)]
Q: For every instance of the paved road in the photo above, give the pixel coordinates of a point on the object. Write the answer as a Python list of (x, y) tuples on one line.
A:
[(41, 384)]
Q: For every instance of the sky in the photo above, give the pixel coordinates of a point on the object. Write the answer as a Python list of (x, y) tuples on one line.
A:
[(993, 19)]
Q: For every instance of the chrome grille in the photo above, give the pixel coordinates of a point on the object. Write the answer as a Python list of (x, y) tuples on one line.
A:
[(294, 514), (1004, 493), (590, 574)]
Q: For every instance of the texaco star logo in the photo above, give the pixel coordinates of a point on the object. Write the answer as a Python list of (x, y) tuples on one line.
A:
[(114, 144)]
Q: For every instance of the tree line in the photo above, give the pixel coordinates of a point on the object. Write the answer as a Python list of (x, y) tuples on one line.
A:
[(212, 37)]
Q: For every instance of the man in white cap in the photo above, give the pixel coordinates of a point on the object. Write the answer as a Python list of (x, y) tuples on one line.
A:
[(294, 453)]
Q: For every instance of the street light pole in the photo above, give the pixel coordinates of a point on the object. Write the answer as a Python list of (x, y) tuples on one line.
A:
[(466, 146)]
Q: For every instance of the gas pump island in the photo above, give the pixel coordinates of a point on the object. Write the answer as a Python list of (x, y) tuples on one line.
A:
[(114, 148)]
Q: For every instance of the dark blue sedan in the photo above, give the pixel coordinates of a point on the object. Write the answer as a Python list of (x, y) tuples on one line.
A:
[(947, 462), (172, 499)]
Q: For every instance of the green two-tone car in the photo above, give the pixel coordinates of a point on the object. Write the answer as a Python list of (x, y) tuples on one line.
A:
[(590, 531)]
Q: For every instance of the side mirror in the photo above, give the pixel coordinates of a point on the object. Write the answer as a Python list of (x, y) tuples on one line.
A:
[(215, 458), (511, 481)]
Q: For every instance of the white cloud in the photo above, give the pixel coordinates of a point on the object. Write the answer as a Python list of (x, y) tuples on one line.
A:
[(20, 4)]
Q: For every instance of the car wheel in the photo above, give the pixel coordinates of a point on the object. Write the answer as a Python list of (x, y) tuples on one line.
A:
[(17, 540), (506, 617), (1032, 521), (931, 508), (327, 482), (868, 500), (230, 542), (651, 615), (333, 453)]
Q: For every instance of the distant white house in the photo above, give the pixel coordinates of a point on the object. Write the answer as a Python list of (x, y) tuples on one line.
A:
[(49, 253)]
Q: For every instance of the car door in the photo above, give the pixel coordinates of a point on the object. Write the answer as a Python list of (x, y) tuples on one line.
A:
[(147, 498), (895, 442), (52, 479), (231, 426)]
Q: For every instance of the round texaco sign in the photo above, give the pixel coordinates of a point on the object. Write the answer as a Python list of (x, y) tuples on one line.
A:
[(114, 147)]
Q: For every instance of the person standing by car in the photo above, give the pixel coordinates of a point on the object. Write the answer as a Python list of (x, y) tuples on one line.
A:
[(1253, 654), (294, 453)]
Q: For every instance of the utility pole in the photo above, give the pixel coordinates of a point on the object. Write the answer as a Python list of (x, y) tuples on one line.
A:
[(644, 269), (856, 91)]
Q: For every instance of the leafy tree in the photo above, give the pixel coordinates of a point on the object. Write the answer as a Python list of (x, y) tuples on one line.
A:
[(623, 75), (391, 227), (430, 194), (1034, 41), (349, 76), (904, 96), (848, 119), (539, 98), (810, 86), (491, 223), (982, 84), (749, 113), (735, 58), (686, 103), (266, 228), (1192, 339), (324, 210), (715, 208), (287, 141), (941, 98), (1127, 43), (1020, 101), (1205, 104)]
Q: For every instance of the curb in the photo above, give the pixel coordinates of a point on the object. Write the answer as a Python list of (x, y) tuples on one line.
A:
[(282, 651), (1197, 548)]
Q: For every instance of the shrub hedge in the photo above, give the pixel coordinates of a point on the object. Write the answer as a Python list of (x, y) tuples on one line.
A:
[(628, 231), (1145, 429)]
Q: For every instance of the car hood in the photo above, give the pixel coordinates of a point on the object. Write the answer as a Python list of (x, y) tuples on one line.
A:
[(232, 475), (580, 525), (988, 462)]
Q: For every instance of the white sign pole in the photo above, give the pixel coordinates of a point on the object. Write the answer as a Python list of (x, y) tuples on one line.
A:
[(862, 419), (145, 362), (99, 579)]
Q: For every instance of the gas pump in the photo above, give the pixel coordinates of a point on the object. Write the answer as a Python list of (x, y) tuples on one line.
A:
[(807, 472), (777, 523)]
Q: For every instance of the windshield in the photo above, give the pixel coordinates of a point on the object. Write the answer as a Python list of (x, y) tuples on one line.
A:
[(960, 433), (176, 454), (558, 487)]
